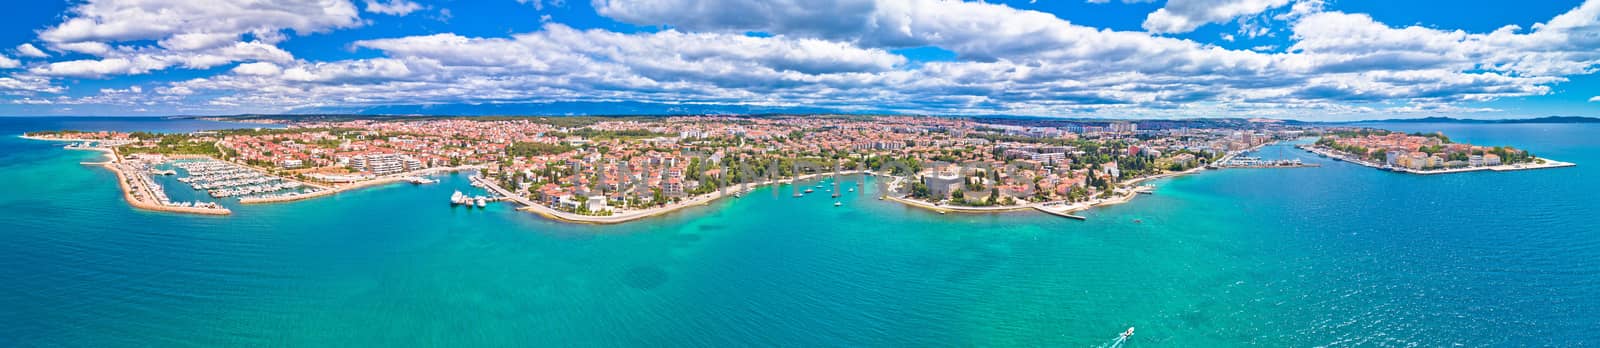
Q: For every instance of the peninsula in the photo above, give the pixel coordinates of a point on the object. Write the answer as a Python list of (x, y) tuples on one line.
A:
[(1422, 153)]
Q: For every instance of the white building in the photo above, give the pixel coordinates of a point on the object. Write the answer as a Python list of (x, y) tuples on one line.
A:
[(383, 164)]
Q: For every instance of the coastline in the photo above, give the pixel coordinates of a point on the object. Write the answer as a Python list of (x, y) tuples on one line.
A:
[(1052, 207), (331, 190), (29, 137), (133, 200), (632, 215), (1064, 209), (1549, 163), (128, 192)]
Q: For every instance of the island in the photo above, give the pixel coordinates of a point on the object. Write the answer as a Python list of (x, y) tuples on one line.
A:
[(614, 169)]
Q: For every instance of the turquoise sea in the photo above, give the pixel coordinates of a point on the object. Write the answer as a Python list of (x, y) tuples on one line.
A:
[(1339, 255)]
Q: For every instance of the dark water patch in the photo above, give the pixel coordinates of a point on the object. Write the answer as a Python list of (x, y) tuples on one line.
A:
[(644, 277), (686, 237), (974, 262)]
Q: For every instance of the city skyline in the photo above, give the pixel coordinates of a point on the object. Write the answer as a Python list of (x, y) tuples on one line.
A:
[(1286, 59)]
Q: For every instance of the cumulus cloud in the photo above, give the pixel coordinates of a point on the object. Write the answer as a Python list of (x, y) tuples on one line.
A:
[(8, 63), (1182, 16), (195, 34), (258, 69), (1566, 45), (838, 54), (26, 85), (143, 60), (122, 20), (1594, 99), (28, 50), (540, 4), (392, 7)]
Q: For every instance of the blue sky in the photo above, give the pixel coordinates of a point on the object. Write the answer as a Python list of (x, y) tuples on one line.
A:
[(1301, 59)]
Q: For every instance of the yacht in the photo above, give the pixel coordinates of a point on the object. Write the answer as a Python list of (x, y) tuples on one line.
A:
[(481, 201), (457, 198)]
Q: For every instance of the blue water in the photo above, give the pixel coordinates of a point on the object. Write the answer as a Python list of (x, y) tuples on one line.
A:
[(1335, 255)]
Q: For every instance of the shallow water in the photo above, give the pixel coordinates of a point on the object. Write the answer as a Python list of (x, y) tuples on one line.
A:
[(1339, 254)]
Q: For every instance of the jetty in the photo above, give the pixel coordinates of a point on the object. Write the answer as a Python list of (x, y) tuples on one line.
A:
[(1062, 213)]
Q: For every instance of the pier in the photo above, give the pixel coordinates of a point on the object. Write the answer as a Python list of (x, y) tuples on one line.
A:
[(1062, 213)]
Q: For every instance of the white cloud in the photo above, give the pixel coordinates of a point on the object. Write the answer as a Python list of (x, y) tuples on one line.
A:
[(8, 63), (1566, 45), (131, 61), (88, 47), (28, 50), (1182, 16), (97, 67), (392, 7), (123, 20), (540, 4), (1594, 99), (837, 54), (258, 69), (187, 33), (26, 85)]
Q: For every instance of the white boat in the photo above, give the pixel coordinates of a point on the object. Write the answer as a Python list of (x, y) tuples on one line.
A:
[(838, 204), (481, 201), (457, 198)]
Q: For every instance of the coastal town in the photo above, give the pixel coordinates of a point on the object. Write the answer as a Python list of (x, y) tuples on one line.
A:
[(618, 169), (1422, 153)]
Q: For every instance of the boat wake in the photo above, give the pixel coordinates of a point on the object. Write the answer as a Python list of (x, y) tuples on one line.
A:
[(1119, 340)]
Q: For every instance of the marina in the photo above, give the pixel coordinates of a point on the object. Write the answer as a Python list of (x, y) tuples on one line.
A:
[(1257, 162), (227, 180)]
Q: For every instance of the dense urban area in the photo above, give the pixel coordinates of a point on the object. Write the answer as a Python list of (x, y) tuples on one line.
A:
[(576, 167)]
